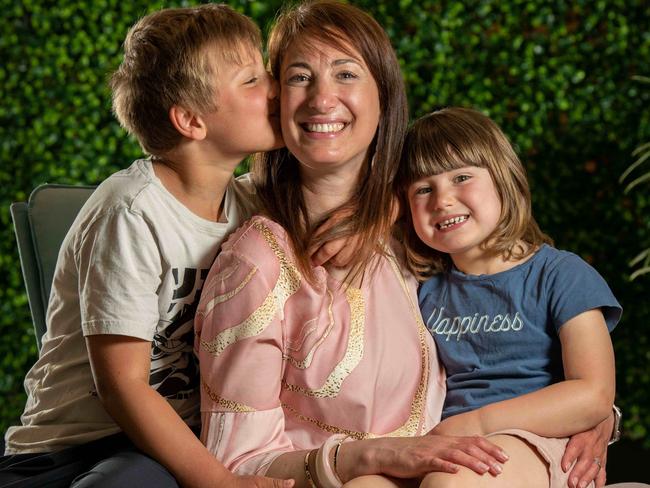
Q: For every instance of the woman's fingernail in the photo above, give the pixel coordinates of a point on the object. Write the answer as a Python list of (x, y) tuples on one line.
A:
[(504, 456), (497, 467), (483, 466)]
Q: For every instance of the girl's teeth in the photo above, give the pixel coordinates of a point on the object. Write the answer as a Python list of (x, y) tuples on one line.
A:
[(325, 127), (449, 222)]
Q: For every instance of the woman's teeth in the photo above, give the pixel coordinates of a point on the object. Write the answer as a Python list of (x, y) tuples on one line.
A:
[(325, 127)]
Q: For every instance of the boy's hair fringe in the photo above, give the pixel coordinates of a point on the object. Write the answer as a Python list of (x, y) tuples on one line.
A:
[(452, 138), (170, 58)]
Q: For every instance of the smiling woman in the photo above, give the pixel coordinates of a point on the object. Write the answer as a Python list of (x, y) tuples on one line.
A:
[(296, 362)]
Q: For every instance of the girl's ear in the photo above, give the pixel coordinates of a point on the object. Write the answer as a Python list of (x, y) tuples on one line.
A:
[(187, 122)]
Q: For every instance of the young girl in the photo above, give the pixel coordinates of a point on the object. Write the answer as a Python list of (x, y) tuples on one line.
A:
[(521, 327)]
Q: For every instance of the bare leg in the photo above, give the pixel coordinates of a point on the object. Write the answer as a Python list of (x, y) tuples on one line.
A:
[(378, 481), (524, 469)]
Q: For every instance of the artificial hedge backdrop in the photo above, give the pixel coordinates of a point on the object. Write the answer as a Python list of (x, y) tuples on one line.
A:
[(556, 75)]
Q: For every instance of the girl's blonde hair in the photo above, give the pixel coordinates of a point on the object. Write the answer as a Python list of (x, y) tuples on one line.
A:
[(453, 138), (369, 212)]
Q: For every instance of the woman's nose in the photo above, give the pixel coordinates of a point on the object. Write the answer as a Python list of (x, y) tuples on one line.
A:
[(322, 96)]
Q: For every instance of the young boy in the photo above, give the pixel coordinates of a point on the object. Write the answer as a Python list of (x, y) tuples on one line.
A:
[(114, 395)]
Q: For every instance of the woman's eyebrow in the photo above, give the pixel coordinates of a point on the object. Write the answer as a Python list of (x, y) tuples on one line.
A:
[(298, 64), (338, 62)]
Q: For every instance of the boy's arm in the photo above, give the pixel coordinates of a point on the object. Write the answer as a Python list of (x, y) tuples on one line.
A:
[(576, 404), (120, 366)]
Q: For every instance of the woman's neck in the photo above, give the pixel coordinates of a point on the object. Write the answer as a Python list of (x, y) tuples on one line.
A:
[(325, 192)]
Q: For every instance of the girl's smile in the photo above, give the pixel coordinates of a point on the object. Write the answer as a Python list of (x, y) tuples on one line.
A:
[(455, 212)]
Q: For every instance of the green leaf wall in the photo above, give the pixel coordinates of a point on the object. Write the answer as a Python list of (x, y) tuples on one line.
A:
[(557, 76)]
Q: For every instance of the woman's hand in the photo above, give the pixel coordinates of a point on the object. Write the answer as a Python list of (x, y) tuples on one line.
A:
[(411, 457), (585, 449)]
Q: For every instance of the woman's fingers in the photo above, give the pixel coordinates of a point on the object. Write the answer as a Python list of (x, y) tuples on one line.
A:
[(479, 455)]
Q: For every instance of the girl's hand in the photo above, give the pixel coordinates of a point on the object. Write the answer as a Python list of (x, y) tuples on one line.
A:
[(411, 457), (584, 449)]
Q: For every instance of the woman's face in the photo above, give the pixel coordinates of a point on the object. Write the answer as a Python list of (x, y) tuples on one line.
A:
[(329, 106)]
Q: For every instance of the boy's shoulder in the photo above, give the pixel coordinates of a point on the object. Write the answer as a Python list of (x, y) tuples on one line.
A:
[(122, 189), (242, 195)]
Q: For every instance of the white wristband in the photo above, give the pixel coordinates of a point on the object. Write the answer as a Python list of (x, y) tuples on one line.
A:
[(325, 475)]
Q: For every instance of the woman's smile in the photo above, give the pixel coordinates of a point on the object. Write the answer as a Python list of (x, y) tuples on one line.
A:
[(329, 106)]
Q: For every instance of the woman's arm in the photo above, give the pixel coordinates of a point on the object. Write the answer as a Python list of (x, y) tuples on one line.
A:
[(576, 404), (398, 457)]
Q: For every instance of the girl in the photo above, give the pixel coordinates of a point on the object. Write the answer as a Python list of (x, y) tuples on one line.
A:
[(521, 327)]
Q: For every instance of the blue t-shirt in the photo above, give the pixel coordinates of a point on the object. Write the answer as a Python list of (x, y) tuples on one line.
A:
[(497, 335)]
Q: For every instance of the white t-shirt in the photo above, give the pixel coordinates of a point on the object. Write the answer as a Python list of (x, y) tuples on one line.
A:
[(133, 264)]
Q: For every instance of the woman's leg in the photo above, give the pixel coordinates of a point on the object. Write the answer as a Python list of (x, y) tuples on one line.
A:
[(525, 469)]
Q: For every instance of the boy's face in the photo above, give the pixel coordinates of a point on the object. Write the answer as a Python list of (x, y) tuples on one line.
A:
[(247, 117)]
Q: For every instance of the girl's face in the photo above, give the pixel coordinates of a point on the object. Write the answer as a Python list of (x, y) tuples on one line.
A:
[(455, 212), (329, 107)]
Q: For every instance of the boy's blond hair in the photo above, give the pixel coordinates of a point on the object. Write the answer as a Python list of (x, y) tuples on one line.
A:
[(170, 58), (453, 138)]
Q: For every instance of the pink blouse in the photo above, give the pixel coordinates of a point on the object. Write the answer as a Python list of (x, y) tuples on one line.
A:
[(285, 364)]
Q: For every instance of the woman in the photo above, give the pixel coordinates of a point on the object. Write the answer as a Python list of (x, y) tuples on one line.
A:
[(326, 356), (292, 354)]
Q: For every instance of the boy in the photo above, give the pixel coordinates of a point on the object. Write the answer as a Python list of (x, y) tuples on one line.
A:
[(118, 353)]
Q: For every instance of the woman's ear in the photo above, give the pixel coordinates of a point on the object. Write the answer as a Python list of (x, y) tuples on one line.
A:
[(187, 122)]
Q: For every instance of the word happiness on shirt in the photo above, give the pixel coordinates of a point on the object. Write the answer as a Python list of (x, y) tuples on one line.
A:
[(440, 324)]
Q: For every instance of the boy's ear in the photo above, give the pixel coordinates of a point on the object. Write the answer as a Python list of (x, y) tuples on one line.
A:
[(187, 122)]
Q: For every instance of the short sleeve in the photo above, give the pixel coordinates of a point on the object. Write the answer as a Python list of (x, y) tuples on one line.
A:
[(575, 287), (119, 269)]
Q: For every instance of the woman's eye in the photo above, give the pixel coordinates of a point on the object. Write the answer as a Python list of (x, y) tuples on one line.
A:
[(461, 178), (347, 75), (298, 78), (252, 80), (423, 190)]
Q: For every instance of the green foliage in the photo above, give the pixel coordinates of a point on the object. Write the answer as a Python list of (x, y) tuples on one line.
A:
[(557, 76), (642, 154)]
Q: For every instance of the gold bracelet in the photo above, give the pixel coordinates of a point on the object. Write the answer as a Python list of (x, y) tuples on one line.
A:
[(307, 472)]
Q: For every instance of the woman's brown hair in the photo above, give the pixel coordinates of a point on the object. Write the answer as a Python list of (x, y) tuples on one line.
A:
[(368, 213), (453, 138)]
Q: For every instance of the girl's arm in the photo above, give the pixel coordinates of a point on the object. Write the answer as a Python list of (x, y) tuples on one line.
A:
[(576, 404)]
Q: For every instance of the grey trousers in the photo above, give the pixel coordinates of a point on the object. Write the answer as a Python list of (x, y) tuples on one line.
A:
[(109, 462)]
